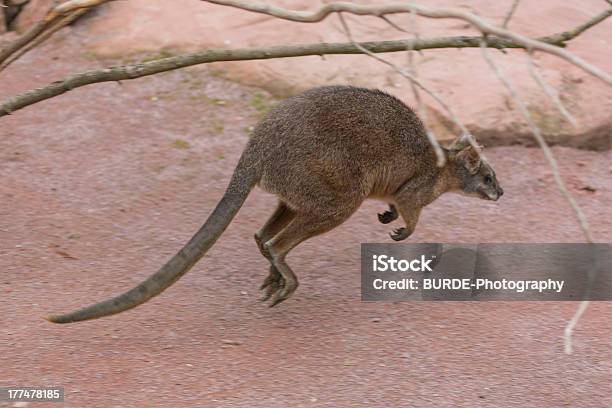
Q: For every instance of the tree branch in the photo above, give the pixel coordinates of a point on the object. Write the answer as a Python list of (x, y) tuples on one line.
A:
[(42, 36), (63, 13), (381, 10), (281, 51), (561, 38)]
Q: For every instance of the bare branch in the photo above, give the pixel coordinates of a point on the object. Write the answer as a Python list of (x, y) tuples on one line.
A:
[(44, 35), (569, 329), (392, 24), (560, 184), (282, 51), (381, 10), (510, 13), (54, 15), (584, 225), (561, 38)]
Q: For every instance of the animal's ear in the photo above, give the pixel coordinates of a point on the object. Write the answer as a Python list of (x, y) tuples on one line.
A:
[(469, 157), (466, 153), (460, 143)]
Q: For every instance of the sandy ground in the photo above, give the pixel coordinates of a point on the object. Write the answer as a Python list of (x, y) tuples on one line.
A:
[(100, 186)]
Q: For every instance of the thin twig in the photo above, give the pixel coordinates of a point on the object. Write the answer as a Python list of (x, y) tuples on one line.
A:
[(510, 13), (44, 35), (560, 184), (392, 24), (53, 15), (540, 139), (571, 325), (560, 39)]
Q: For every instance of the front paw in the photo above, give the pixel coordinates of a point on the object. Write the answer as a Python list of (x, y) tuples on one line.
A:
[(400, 234), (386, 217)]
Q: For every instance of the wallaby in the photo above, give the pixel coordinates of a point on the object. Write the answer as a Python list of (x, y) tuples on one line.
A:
[(322, 153)]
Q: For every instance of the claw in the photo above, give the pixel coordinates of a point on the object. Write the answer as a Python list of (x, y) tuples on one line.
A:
[(283, 293), (273, 282), (276, 300), (272, 289), (386, 217), (399, 234), (267, 282)]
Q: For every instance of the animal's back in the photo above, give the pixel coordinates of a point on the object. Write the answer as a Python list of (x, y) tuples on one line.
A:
[(337, 140)]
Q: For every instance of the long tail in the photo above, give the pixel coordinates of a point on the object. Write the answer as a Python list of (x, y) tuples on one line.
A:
[(244, 179)]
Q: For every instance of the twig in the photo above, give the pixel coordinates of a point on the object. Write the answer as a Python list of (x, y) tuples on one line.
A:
[(55, 14), (392, 24), (540, 139), (561, 38), (44, 35), (510, 13), (560, 184), (381, 10), (571, 325)]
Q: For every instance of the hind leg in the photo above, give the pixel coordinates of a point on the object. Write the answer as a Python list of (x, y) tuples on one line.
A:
[(299, 229), (277, 221)]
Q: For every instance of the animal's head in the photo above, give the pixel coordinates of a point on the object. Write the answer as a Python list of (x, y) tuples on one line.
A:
[(472, 175)]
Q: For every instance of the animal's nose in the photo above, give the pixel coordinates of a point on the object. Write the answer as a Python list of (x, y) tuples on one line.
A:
[(500, 191)]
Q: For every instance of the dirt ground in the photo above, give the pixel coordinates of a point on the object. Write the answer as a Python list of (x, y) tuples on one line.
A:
[(101, 185)]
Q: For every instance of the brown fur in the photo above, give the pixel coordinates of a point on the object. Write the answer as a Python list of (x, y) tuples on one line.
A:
[(322, 153)]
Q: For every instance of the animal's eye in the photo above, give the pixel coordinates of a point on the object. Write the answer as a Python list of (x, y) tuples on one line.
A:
[(488, 179)]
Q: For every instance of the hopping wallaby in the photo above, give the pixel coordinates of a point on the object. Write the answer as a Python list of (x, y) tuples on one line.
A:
[(322, 153)]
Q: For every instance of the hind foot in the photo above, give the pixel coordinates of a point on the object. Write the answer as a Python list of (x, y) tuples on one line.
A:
[(284, 292), (273, 282)]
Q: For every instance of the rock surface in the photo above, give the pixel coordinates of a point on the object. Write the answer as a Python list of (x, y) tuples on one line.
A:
[(461, 76)]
